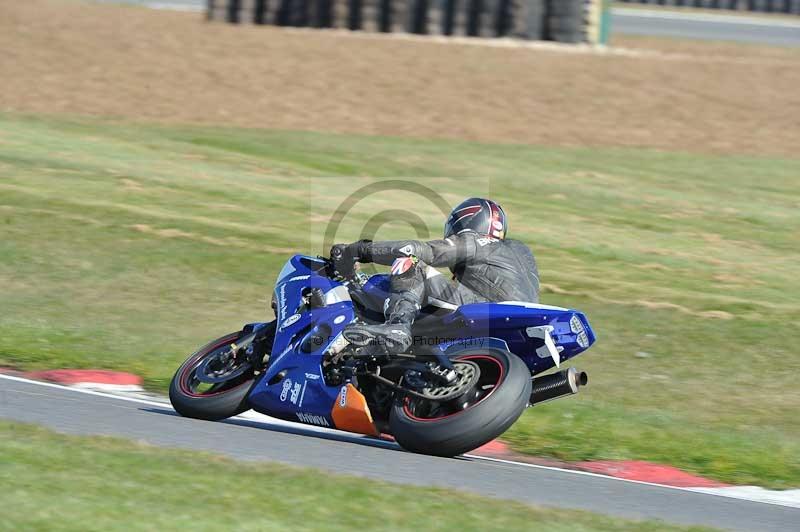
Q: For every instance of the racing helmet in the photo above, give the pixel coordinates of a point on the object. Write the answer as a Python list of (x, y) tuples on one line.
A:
[(480, 215)]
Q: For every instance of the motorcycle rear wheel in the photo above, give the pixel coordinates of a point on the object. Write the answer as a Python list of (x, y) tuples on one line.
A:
[(501, 396)]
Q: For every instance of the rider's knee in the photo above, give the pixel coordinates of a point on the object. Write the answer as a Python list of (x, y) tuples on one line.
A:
[(404, 267)]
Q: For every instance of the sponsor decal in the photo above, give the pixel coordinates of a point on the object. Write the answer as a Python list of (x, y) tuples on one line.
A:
[(295, 393), (549, 348), (291, 320), (498, 225), (313, 419), (282, 300), (298, 278), (287, 384), (302, 394), (343, 396), (312, 376), (339, 319), (484, 241)]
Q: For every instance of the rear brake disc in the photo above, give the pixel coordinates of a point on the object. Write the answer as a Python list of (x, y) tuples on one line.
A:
[(468, 375)]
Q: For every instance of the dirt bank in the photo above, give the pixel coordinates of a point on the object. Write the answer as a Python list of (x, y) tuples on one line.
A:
[(64, 56)]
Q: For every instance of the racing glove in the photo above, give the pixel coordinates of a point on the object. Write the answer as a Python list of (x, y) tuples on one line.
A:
[(345, 256)]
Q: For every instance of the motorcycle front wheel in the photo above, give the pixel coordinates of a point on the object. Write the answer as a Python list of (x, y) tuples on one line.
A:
[(191, 393), (495, 403)]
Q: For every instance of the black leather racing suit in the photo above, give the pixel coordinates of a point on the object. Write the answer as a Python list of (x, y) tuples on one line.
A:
[(485, 268)]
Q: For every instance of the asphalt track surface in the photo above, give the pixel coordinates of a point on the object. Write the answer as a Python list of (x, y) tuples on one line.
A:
[(72, 411), (707, 26), (782, 31)]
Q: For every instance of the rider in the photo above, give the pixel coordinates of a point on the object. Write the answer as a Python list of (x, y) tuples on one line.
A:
[(485, 265)]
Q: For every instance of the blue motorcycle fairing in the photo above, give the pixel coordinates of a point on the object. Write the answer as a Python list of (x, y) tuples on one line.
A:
[(510, 321), (516, 323), (298, 391)]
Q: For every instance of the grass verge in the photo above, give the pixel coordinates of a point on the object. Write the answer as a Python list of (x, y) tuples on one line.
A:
[(127, 246), (55, 482)]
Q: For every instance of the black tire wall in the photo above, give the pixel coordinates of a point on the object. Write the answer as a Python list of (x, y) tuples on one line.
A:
[(213, 407), (472, 428), (528, 19), (564, 22), (559, 20)]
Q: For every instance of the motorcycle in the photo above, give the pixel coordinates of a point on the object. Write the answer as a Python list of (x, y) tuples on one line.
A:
[(469, 375)]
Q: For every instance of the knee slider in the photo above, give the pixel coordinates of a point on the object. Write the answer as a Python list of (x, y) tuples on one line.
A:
[(404, 266)]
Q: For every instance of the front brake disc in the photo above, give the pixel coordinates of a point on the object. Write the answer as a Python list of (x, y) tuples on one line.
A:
[(221, 367)]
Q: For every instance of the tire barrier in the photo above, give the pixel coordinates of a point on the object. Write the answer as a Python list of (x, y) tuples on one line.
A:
[(761, 6), (528, 20), (568, 21), (564, 21)]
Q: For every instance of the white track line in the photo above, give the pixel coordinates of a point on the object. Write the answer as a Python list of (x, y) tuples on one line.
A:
[(739, 493), (247, 416), (747, 493), (87, 392), (789, 498), (110, 388), (167, 6), (195, 6)]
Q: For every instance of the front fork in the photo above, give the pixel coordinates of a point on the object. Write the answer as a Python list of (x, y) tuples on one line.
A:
[(256, 343)]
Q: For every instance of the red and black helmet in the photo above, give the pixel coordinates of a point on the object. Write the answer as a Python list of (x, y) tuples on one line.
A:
[(482, 216)]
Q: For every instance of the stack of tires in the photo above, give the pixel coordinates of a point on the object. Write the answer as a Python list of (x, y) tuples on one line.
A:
[(553, 20), (565, 21), (528, 19)]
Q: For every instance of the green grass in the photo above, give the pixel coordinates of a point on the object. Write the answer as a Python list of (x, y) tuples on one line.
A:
[(126, 246), (55, 482)]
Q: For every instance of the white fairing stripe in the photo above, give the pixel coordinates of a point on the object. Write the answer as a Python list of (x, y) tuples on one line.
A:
[(337, 295), (441, 304), (531, 305)]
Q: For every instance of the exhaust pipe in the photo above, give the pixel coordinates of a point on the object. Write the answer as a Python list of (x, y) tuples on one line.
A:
[(557, 385)]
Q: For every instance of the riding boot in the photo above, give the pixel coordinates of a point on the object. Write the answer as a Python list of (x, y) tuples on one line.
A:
[(394, 335)]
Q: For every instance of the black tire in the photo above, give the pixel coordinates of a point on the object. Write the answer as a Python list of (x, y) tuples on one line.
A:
[(215, 404), (564, 25), (563, 29), (566, 8), (529, 20), (478, 424)]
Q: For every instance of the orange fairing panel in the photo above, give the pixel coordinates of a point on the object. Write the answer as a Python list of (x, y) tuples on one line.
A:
[(351, 413)]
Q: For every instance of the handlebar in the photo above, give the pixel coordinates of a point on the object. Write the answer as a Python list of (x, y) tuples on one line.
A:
[(355, 277)]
